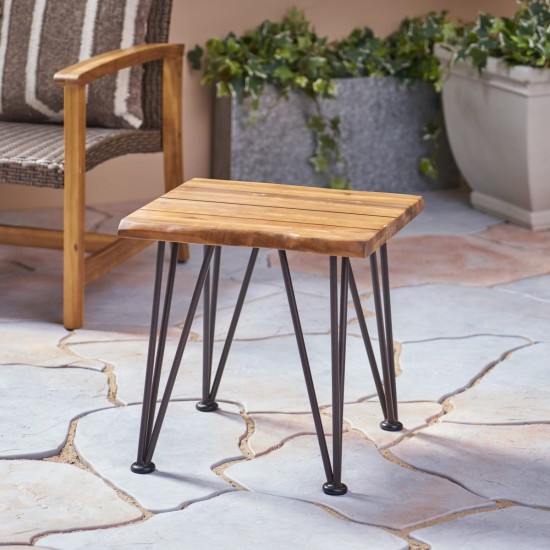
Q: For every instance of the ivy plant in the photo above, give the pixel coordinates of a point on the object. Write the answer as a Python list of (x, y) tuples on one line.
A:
[(521, 40), (290, 56)]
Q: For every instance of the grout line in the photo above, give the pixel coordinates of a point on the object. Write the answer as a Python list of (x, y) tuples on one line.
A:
[(468, 336), (109, 371), (219, 470)]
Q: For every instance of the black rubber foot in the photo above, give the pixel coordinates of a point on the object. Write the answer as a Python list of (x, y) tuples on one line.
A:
[(139, 468), (334, 490), (206, 407), (391, 426)]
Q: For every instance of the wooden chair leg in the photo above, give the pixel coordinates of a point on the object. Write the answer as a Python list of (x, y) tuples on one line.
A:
[(74, 208), (172, 82)]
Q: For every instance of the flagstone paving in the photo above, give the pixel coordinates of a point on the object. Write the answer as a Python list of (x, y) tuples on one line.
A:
[(200, 441), (496, 462), (219, 523), (507, 529), (517, 392), (249, 378), (296, 471), (39, 404), (471, 313), (39, 497)]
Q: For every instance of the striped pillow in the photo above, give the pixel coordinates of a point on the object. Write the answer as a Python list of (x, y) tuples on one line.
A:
[(40, 37)]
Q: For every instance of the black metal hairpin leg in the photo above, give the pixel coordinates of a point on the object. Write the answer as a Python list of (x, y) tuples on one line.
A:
[(334, 485), (210, 296), (385, 338), (208, 402), (151, 426)]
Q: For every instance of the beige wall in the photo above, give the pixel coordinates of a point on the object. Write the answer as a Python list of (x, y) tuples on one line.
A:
[(139, 177)]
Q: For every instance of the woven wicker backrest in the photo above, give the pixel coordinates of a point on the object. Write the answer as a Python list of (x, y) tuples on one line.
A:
[(158, 28)]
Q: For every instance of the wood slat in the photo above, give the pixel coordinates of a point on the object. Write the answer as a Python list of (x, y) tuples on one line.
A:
[(273, 216), (49, 238), (282, 201), (263, 213), (300, 191)]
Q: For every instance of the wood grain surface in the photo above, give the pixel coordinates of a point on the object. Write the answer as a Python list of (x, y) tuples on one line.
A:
[(266, 215)]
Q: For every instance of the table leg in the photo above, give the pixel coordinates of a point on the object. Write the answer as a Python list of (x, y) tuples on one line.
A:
[(208, 402), (333, 486), (151, 426), (210, 296), (385, 338)]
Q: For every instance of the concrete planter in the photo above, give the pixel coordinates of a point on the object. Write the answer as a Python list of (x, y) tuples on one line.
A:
[(381, 124), (498, 124)]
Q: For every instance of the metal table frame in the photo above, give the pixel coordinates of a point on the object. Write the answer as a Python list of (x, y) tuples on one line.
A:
[(207, 284)]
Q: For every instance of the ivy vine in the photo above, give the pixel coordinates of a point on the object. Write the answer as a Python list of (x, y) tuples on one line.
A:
[(521, 40)]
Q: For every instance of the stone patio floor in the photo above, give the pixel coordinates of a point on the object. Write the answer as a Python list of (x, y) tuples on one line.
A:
[(471, 470)]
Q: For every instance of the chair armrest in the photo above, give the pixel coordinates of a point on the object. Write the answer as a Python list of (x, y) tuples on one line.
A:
[(87, 71)]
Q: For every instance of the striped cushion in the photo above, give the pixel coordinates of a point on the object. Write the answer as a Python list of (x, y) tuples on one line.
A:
[(40, 37)]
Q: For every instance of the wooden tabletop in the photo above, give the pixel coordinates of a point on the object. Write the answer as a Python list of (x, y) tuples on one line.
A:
[(267, 215)]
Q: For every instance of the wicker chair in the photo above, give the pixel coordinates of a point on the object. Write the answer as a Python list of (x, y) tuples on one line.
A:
[(58, 156)]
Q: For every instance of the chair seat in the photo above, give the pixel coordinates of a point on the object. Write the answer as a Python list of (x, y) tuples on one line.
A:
[(32, 154)]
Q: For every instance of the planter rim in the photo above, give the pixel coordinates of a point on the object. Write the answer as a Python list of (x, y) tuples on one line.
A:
[(496, 69)]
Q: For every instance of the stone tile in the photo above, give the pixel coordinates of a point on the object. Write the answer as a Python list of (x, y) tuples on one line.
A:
[(8, 267), (428, 312), (273, 429), (380, 492), (40, 497), (247, 518), (518, 236), (31, 297), (39, 405), (39, 344), (448, 213), (507, 529), (433, 259), (270, 316), (366, 416), (517, 390), (124, 299), (496, 462), (435, 369), (534, 287), (32, 260), (262, 375), (190, 445)]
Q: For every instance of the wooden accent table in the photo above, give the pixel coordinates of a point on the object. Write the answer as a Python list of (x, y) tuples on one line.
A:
[(345, 224)]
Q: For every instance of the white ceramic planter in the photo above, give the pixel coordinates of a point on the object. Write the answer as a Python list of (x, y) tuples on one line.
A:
[(498, 124)]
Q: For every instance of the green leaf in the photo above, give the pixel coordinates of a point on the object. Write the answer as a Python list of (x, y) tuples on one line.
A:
[(195, 57), (283, 73), (431, 131), (338, 182), (428, 168), (316, 124), (320, 163)]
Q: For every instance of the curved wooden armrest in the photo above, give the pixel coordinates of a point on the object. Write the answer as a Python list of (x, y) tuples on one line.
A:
[(87, 71)]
